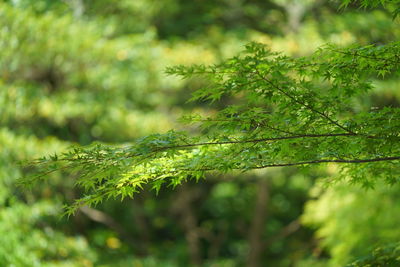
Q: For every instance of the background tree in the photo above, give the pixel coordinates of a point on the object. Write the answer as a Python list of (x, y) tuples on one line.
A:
[(75, 72)]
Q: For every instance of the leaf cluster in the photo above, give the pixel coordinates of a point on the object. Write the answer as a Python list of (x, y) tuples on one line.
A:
[(285, 111)]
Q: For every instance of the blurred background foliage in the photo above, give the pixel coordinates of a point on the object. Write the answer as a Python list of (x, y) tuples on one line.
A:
[(79, 71)]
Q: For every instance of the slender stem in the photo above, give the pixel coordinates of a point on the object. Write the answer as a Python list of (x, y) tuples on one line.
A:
[(328, 161), (318, 161), (305, 104), (255, 140)]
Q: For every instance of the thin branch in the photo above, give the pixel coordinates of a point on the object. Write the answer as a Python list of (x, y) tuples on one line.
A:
[(328, 161), (373, 57), (318, 161), (261, 123), (305, 104), (255, 140)]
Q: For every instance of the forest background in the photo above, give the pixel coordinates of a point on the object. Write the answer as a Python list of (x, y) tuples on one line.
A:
[(75, 72)]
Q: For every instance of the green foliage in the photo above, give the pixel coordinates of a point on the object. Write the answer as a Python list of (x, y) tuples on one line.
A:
[(393, 4), (40, 248), (297, 111), (22, 219), (388, 255), (86, 77), (63, 81), (349, 219), (81, 86)]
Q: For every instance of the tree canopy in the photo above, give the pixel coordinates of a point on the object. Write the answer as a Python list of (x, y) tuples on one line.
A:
[(276, 111), (284, 148)]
